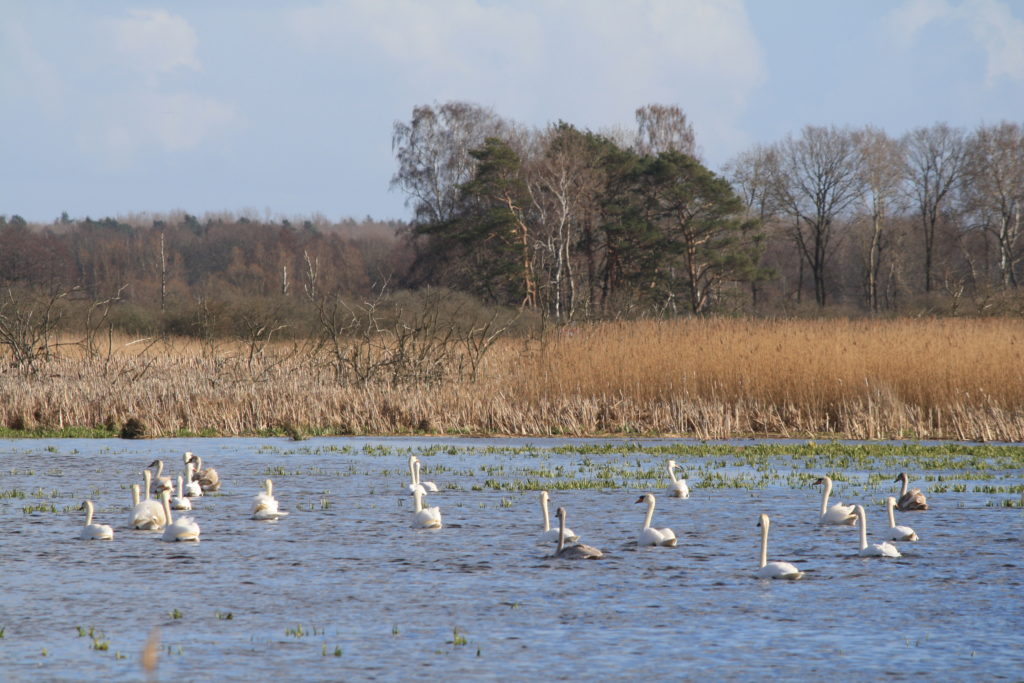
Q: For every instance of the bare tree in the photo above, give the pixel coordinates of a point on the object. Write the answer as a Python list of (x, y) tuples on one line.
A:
[(664, 128), (881, 169), (433, 155), (935, 162), (994, 190), (816, 183)]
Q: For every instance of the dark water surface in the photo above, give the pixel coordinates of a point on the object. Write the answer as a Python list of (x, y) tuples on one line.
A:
[(479, 599)]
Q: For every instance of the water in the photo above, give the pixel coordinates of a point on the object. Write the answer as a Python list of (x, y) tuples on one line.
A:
[(480, 599)]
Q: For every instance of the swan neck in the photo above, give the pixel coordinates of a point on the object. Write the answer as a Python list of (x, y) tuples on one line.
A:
[(903, 486), (412, 470), (88, 512), (135, 495), (181, 486), (167, 509), (159, 468), (270, 487), (417, 496), (892, 517), (416, 472), (650, 512), (672, 473), (561, 532), (547, 516), (824, 496), (147, 477), (863, 527), (764, 545)]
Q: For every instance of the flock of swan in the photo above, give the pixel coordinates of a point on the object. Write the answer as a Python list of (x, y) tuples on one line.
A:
[(156, 515)]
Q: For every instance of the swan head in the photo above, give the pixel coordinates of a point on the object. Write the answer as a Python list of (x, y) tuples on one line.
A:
[(155, 463), (890, 502), (672, 464), (647, 497), (902, 476), (823, 480), (560, 513), (86, 505), (763, 521), (544, 496)]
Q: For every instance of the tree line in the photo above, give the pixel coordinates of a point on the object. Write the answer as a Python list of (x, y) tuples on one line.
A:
[(570, 224)]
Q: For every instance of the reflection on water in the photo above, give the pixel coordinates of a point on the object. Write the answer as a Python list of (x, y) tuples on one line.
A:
[(344, 589)]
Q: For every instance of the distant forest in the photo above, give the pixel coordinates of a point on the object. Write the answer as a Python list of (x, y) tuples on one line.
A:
[(568, 224)]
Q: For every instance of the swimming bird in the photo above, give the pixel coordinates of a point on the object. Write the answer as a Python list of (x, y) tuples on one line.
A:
[(550, 535), (649, 535), (147, 514), (181, 501), (428, 486), (264, 505), (678, 487), (883, 549), (577, 551), (837, 514), (181, 529), (898, 533), (208, 478), (912, 499), (160, 482), (773, 570), (94, 532), (192, 487), (425, 517)]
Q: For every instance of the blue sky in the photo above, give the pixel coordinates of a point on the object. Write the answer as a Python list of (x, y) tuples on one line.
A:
[(286, 109)]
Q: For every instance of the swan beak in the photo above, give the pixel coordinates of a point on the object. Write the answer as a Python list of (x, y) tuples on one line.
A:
[(640, 499), (898, 476), (819, 481)]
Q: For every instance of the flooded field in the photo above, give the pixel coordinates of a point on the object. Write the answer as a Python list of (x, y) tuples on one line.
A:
[(344, 589)]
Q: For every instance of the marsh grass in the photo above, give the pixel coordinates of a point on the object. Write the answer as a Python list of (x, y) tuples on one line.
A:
[(715, 378)]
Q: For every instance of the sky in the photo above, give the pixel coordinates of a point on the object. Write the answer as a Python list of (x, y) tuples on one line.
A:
[(286, 109)]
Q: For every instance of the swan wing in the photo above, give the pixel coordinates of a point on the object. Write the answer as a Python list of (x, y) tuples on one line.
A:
[(580, 551), (779, 570), (902, 533), (269, 515), (551, 536), (181, 504), (679, 489), (429, 486), (652, 536), (183, 529), (912, 500), (148, 515), (97, 532), (840, 514)]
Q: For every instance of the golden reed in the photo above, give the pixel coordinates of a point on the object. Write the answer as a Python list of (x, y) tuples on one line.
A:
[(715, 378)]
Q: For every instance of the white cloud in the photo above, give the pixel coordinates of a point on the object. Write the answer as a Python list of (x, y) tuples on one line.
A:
[(134, 124), (1002, 37), (904, 22), (155, 42), (591, 63)]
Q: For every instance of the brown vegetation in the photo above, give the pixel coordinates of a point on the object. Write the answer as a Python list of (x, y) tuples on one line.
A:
[(961, 379)]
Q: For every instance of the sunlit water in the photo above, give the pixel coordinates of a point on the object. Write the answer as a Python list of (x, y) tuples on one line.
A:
[(344, 573)]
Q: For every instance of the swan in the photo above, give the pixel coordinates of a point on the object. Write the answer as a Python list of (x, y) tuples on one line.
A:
[(883, 549), (181, 502), (838, 513), (773, 570), (428, 486), (181, 529), (577, 551), (160, 482), (208, 478), (909, 500), (650, 535), (898, 533), (425, 518), (264, 505), (94, 532), (678, 487), (412, 474), (550, 535), (192, 488), (148, 514)]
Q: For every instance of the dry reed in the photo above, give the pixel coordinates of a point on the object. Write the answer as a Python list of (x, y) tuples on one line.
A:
[(716, 378)]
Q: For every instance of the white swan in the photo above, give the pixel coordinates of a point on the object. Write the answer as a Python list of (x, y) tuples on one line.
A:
[(181, 529), (181, 502), (424, 517), (160, 482), (208, 478), (550, 535), (838, 513), (883, 549), (412, 474), (265, 506), (898, 533), (148, 514), (94, 532), (577, 551), (678, 487), (428, 486), (773, 570), (649, 535), (192, 487), (912, 499)]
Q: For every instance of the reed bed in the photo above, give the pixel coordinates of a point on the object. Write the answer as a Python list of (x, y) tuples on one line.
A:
[(715, 378)]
